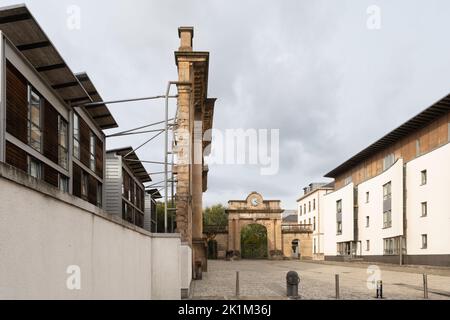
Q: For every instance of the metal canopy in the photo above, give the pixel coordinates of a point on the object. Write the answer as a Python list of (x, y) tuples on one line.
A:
[(100, 113), (438, 109), (20, 27), (136, 165), (154, 194)]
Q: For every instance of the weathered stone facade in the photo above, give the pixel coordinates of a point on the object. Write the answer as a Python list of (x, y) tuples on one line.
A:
[(194, 118), (256, 210)]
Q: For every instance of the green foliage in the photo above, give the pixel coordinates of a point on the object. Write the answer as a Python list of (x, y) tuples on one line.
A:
[(254, 241), (160, 217), (215, 216)]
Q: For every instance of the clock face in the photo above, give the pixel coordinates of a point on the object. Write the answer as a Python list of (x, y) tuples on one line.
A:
[(255, 202)]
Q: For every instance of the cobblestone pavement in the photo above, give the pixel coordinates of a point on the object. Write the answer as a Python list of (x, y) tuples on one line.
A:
[(263, 279)]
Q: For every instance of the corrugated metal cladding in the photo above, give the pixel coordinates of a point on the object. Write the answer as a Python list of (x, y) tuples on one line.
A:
[(113, 184)]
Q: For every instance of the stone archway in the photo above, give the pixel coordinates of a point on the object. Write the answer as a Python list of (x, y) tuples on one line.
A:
[(255, 210), (254, 242)]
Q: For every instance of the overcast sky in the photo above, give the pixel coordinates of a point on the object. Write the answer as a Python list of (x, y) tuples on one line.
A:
[(312, 69)]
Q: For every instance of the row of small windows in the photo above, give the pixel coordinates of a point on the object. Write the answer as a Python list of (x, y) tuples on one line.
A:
[(309, 207), (76, 142), (35, 128)]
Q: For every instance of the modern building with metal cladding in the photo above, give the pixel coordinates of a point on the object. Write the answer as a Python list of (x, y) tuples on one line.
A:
[(44, 130), (391, 201), (124, 186)]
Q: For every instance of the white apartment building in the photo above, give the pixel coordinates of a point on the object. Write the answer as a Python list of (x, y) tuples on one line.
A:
[(392, 201), (309, 207)]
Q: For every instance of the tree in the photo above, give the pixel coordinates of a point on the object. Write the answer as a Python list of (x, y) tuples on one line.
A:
[(215, 216)]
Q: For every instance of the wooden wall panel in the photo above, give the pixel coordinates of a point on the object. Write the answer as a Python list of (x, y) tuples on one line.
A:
[(16, 157), (50, 131), (92, 190), (433, 135), (16, 104), (50, 175), (99, 158), (76, 184), (84, 142)]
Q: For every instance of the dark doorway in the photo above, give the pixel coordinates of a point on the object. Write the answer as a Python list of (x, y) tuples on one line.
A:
[(254, 242), (212, 249)]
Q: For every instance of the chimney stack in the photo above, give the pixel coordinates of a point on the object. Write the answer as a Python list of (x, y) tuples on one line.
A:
[(186, 34)]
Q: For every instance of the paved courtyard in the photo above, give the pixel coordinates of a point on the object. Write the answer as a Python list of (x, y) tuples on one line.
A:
[(263, 279)]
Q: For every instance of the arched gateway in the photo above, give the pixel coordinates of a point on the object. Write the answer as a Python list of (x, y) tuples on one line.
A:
[(243, 215)]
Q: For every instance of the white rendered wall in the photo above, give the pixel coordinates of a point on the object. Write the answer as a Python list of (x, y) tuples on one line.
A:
[(329, 218), (436, 193), (375, 233), (186, 266), (42, 234)]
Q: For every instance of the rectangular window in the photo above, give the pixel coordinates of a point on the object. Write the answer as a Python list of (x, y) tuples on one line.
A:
[(423, 177), (388, 161), (348, 180), (84, 184), (367, 197), (387, 191), (63, 143), (315, 250), (417, 147), (309, 206), (339, 217), (99, 195), (304, 208), (424, 241), (424, 209), (314, 204), (367, 221), (34, 168), (367, 245), (92, 151), (314, 223), (76, 136), (387, 219), (390, 246), (34, 120), (300, 210), (63, 183)]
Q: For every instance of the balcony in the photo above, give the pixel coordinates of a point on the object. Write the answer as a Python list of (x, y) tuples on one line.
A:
[(297, 228)]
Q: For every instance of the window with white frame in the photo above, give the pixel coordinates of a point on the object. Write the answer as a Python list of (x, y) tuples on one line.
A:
[(387, 191), (424, 241), (423, 177), (367, 245), (34, 119), (367, 221), (367, 197), (388, 161), (387, 219), (339, 217), (424, 206), (390, 246)]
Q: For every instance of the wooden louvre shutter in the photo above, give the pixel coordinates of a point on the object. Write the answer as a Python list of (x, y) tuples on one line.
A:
[(50, 132), (16, 157), (76, 181), (84, 142), (99, 157), (16, 104), (51, 175)]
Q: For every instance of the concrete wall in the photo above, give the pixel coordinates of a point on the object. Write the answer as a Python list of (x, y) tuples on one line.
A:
[(373, 209), (436, 193), (185, 269), (44, 231)]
